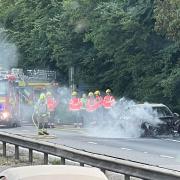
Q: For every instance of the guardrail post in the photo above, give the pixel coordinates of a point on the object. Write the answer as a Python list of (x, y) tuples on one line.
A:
[(103, 170), (126, 177), (45, 158), (31, 156), (16, 152), (63, 161), (82, 164), (4, 149)]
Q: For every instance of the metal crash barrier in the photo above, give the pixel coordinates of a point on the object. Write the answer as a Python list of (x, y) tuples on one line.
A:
[(128, 168)]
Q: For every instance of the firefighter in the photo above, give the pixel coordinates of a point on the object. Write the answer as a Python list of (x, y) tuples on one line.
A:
[(99, 101), (91, 107), (109, 100), (51, 106), (108, 103), (75, 106), (83, 109), (42, 114)]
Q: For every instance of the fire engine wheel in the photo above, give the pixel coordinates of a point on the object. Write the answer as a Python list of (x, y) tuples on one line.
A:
[(14, 125)]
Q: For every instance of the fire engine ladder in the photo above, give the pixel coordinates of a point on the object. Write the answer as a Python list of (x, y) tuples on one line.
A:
[(41, 75)]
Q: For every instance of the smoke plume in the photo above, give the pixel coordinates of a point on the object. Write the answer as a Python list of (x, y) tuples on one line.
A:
[(8, 52)]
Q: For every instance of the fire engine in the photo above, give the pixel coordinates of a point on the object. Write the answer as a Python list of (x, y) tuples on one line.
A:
[(19, 91), (9, 100)]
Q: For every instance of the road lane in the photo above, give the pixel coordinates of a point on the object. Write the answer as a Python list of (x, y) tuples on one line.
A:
[(163, 152)]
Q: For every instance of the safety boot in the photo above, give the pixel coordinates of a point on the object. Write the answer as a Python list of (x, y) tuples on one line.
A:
[(40, 132), (45, 132)]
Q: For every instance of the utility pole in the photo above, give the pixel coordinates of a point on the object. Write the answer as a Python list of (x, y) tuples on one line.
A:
[(71, 78)]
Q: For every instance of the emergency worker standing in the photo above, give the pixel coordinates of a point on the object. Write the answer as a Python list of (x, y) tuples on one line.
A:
[(91, 107), (108, 103), (83, 109), (42, 114), (109, 100), (51, 106), (75, 106), (99, 101)]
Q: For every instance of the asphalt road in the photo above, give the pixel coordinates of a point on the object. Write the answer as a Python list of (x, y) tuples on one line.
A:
[(162, 151)]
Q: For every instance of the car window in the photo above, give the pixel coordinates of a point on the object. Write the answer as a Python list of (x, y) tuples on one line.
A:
[(162, 111)]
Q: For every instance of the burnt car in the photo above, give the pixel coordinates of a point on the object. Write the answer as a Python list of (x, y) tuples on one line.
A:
[(168, 124)]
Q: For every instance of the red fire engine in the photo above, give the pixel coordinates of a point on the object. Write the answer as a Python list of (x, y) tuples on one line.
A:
[(9, 100), (19, 92)]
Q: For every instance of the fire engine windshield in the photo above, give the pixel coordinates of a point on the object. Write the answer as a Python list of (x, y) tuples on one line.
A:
[(3, 87)]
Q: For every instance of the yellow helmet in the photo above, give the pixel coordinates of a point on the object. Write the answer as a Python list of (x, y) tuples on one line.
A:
[(90, 94), (108, 91), (97, 92), (74, 93), (42, 96), (48, 93)]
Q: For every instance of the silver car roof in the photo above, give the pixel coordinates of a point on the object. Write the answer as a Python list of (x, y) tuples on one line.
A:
[(49, 172)]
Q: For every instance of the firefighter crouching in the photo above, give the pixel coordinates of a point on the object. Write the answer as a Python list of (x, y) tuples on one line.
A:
[(42, 115), (51, 106), (75, 105)]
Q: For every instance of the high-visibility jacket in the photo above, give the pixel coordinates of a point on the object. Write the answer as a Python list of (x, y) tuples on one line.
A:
[(84, 101), (99, 101), (91, 105), (75, 104), (108, 101), (41, 107), (51, 104)]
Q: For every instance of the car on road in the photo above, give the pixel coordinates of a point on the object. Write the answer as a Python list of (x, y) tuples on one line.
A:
[(169, 121), (50, 172)]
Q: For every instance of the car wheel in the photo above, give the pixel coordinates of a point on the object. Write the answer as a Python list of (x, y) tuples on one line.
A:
[(149, 130), (14, 125)]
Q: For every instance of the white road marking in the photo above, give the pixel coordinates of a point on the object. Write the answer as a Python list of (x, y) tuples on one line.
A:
[(126, 149), (25, 130), (92, 143), (145, 152), (164, 156), (172, 140)]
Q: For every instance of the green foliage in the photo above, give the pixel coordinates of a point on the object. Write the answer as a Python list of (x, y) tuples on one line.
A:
[(131, 46), (167, 14)]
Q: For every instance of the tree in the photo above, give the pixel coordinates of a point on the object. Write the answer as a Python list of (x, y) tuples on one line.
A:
[(167, 14)]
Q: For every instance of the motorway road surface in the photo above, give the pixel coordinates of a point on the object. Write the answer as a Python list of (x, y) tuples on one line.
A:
[(162, 151)]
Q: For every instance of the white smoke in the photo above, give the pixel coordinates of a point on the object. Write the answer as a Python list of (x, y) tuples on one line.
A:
[(124, 120), (8, 52)]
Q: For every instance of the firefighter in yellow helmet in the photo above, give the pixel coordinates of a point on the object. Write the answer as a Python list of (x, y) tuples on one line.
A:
[(98, 98), (91, 107), (99, 105), (108, 100), (75, 106), (42, 114), (51, 106)]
